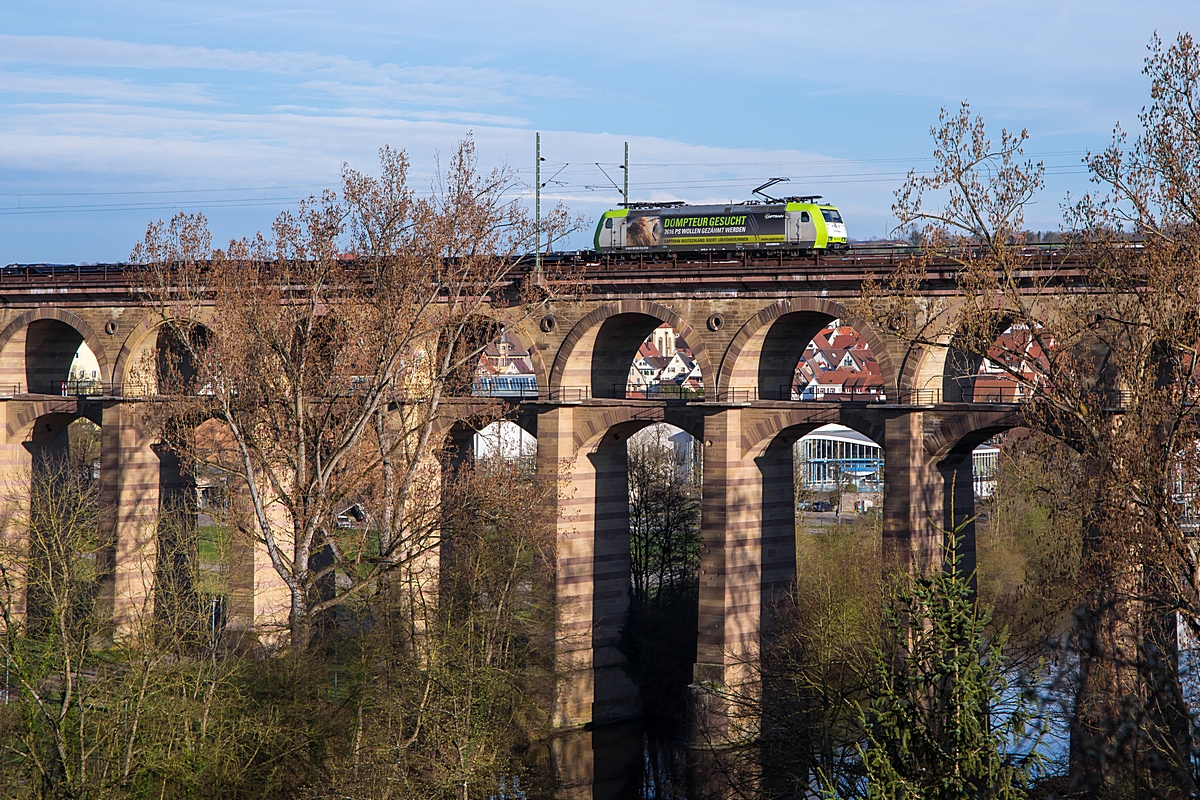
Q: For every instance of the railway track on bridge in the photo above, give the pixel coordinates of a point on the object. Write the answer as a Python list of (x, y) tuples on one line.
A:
[(747, 271)]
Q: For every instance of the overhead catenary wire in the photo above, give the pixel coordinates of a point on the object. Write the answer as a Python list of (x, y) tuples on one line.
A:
[(569, 180)]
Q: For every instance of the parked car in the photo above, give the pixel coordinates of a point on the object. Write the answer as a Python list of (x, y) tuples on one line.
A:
[(821, 505)]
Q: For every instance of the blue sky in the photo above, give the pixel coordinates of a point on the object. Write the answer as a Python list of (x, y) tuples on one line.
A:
[(115, 113)]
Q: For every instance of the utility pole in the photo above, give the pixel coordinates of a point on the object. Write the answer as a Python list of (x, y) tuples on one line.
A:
[(625, 194), (537, 207)]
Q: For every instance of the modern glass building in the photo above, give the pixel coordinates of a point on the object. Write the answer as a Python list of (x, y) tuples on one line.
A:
[(517, 386), (984, 461), (834, 455)]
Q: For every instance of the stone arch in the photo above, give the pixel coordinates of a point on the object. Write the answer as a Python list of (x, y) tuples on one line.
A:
[(37, 445), (764, 352), (456, 437), (924, 367), (173, 502), (592, 431), (960, 366), (948, 445), (47, 339), (944, 370), (768, 443), (749, 555), (603, 457), (774, 460), (593, 556), (503, 438), (962, 433), (759, 435), (615, 330), (521, 333), (133, 345), (24, 416), (136, 346), (921, 366)]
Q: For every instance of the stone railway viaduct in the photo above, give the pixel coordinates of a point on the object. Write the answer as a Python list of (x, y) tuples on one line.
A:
[(747, 323)]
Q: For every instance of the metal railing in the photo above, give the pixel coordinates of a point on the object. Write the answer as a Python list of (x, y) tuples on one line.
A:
[(506, 388), (751, 394), (1110, 400), (85, 388), (737, 395), (82, 388), (568, 394), (659, 391), (856, 394)]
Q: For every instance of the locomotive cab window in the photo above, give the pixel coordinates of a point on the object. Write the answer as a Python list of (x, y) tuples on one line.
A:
[(608, 222), (831, 215), (804, 216)]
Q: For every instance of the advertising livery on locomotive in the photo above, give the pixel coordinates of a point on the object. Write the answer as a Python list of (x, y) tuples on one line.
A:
[(792, 225)]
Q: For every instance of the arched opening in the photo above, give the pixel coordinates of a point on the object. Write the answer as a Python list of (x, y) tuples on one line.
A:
[(211, 574), (959, 493), (599, 356), (1025, 495), (840, 471), (505, 440), (204, 499), (175, 367), (616, 351), (665, 368), (48, 356), (838, 365), (84, 376), (780, 348), (659, 636), (820, 546), (195, 524), (505, 369), (53, 506), (164, 362), (49, 351), (627, 588), (1029, 545), (837, 483), (790, 353), (50, 348), (1015, 359)]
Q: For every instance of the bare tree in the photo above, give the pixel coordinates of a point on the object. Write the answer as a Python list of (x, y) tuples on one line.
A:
[(983, 188), (330, 351), (1106, 356), (664, 513), (453, 720)]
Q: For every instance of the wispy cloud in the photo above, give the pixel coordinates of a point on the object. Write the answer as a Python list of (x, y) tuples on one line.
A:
[(715, 96), (102, 90), (331, 75)]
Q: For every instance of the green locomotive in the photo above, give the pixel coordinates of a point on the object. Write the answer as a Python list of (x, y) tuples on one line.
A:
[(793, 224)]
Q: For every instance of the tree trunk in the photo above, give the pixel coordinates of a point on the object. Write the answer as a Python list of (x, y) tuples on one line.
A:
[(1130, 730)]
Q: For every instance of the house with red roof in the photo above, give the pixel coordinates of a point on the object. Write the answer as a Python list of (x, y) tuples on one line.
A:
[(837, 365)]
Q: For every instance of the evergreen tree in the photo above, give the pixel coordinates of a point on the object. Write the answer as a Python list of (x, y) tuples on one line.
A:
[(943, 721)]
